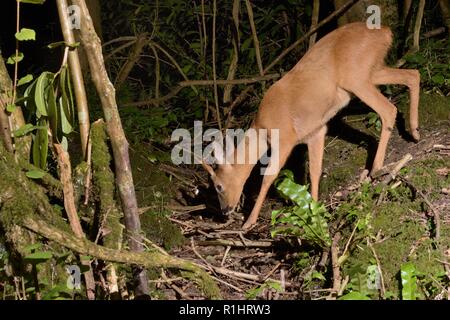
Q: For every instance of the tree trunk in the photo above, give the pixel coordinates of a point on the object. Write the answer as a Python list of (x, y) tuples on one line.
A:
[(445, 9), (106, 91), (16, 119)]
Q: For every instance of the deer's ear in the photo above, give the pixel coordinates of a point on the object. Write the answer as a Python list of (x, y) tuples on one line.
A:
[(208, 168)]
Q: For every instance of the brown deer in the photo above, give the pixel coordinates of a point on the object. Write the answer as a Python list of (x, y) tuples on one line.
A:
[(349, 60)]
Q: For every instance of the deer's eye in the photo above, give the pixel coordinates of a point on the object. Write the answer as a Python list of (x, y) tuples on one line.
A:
[(219, 188)]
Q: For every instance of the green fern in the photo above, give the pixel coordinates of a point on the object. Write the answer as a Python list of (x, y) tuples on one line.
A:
[(306, 219)]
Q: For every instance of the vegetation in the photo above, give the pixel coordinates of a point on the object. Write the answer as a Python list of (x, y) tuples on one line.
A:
[(136, 226)]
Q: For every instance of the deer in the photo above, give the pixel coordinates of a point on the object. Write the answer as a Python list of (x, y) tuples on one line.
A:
[(346, 62)]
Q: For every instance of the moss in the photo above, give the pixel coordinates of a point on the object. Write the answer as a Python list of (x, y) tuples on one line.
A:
[(161, 230), (423, 175), (104, 182), (433, 108), (206, 284), (342, 161), (399, 221)]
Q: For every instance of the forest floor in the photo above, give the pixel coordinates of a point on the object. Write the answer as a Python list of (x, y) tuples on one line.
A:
[(401, 222)]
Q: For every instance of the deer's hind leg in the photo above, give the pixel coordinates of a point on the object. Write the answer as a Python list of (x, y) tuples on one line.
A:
[(409, 78), (370, 95)]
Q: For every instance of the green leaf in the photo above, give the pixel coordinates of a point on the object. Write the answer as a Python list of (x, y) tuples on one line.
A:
[(65, 124), (307, 219), (33, 247), (409, 279), (438, 79), (24, 80), (39, 257), (25, 129), (66, 101), (40, 145), (12, 59), (11, 108), (53, 114), (32, 1), (41, 93), (354, 295), (26, 34), (35, 174)]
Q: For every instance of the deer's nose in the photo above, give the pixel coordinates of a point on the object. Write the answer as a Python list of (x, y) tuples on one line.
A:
[(227, 210)]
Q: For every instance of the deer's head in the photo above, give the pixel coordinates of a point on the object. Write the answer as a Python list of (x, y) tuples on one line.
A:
[(228, 183)]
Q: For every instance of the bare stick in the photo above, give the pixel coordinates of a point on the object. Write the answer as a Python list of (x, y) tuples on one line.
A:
[(383, 288), (77, 76), (255, 37), (192, 83), (157, 72), (399, 165), (216, 94), (69, 205), (335, 262), (236, 243), (314, 21), (235, 55), (418, 25), (133, 58), (174, 287)]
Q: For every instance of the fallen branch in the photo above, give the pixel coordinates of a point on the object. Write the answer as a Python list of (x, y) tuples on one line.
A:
[(190, 83), (237, 243), (398, 166), (335, 263), (152, 259)]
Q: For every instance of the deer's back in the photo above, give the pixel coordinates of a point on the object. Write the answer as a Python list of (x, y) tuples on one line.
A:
[(321, 82)]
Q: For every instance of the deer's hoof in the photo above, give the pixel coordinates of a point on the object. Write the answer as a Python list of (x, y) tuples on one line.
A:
[(249, 224), (416, 135)]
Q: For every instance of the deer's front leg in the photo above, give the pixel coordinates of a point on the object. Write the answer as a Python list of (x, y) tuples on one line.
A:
[(315, 154), (274, 167)]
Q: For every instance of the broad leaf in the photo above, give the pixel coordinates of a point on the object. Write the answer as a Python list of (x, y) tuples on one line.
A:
[(40, 145), (24, 130), (354, 295), (26, 34), (409, 285), (53, 114), (42, 84), (12, 59), (35, 174), (39, 257), (24, 80), (11, 108)]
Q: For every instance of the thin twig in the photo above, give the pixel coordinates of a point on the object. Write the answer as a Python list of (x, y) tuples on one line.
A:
[(175, 287), (216, 94), (383, 288), (193, 83), (335, 263), (314, 21), (255, 37)]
